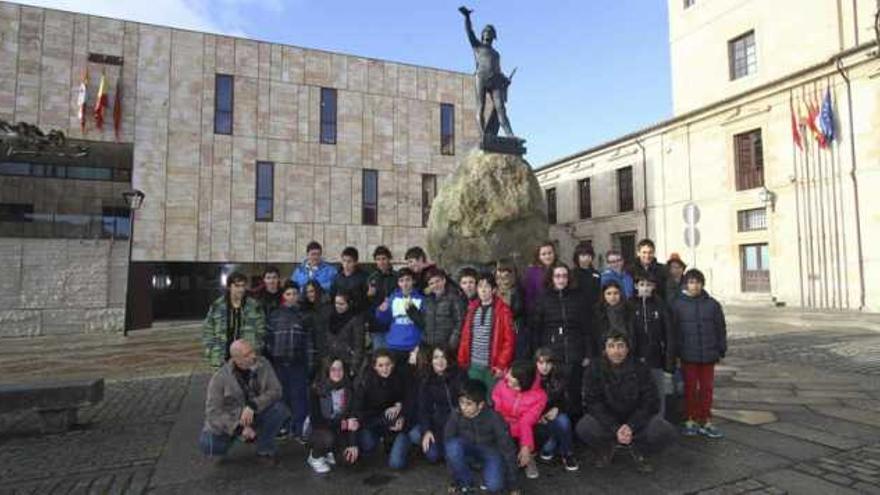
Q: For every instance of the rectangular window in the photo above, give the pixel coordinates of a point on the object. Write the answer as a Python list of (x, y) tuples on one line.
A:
[(755, 267), (625, 242), (447, 129), (328, 116), (749, 160), (749, 220), (429, 191), (585, 206), (224, 96), (742, 57), (625, 189), (551, 206), (115, 222), (265, 191), (689, 3), (89, 173), (370, 200)]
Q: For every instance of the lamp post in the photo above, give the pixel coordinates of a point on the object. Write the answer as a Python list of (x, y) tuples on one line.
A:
[(133, 199), (767, 197)]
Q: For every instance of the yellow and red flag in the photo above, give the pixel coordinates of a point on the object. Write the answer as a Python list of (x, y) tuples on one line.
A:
[(101, 104)]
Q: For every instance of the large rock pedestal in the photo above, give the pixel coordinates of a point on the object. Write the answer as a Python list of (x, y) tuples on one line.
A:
[(492, 208)]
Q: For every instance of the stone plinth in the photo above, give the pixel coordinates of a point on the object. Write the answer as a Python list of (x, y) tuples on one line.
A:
[(492, 208)]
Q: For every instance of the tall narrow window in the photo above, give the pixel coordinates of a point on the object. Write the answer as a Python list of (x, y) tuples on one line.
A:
[(742, 57), (447, 129), (551, 206), (749, 160), (223, 101), (584, 201), (429, 191), (625, 189), (328, 116), (265, 191), (370, 200)]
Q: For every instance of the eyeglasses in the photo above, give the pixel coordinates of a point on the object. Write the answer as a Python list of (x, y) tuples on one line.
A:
[(616, 261)]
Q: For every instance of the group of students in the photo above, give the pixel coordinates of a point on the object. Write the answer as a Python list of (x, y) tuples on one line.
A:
[(484, 369)]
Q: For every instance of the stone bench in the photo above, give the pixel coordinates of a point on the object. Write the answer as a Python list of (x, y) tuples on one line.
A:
[(57, 402)]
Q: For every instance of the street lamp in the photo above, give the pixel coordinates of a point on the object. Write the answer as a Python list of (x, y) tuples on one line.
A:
[(134, 199), (767, 197)]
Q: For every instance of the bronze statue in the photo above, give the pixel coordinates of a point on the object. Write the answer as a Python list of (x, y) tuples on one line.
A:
[(489, 79)]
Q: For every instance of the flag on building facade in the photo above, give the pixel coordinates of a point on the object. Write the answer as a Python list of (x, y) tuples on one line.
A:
[(812, 122), (795, 131), (81, 100), (826, 119), (117, 108), (101, 103)]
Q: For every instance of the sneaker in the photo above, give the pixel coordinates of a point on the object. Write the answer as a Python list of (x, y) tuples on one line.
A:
[(690, 428), (531, 470), (709, 430), (330, 459), (570, 462), (546, 457), (642, 464), (318, 464), (603, 457), (463, 489), (283, 434)]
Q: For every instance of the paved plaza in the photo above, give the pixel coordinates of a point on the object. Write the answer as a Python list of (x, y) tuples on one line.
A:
[(798, 397)]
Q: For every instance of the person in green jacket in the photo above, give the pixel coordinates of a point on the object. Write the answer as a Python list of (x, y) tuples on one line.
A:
[(231, 317)]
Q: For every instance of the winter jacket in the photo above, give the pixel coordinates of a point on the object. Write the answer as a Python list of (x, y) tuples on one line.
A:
[(700, 328), (673, 290), (214, 337), (658, 271), (623, 278), (653, 332), (533, 285), (290, 337), (602, 326), (622, 395), (355, 285), (521, 410), (443, 318), (268, 301), (589, 282), (438, 397), (554, 385), (502, 344), (404, 324), (226, 398), (324, 274), (486, 429), (321, 409), (561, 321), (374, 394), (342, 336), (385, 283)]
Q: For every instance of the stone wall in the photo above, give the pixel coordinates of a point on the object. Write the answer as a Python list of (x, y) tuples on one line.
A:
[(60, 286)]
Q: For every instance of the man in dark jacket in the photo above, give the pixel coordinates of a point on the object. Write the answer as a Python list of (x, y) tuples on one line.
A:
[(380, 284), (444, 312), (647, 261), (621, 406), (653, 336), (352, 280), (268, 294), (702, 342)]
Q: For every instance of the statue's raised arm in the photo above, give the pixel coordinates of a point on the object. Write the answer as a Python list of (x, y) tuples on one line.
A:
[(468, 27)]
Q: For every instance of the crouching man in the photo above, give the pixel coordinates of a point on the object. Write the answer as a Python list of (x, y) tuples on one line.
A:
[(244, 403), (621, 404)]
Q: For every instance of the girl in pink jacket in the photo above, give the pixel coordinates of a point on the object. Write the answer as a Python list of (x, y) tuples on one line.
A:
[(520, 400)]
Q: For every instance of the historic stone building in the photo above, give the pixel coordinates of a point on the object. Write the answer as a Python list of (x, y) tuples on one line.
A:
[(777, 223), (245, 151)]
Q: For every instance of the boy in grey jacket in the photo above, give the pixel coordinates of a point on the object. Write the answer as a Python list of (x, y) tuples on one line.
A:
[(244, 402)]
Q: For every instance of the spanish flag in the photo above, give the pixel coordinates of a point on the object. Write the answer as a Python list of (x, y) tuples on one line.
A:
[(101, 104)]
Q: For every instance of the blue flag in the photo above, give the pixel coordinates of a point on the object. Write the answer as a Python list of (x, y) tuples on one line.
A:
[(826, 119)]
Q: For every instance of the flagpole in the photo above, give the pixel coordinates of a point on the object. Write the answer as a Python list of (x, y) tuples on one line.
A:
[(808, 193), (797, 198)]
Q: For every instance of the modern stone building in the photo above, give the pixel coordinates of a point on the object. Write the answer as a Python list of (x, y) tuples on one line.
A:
[(246, 151), (777, 223)]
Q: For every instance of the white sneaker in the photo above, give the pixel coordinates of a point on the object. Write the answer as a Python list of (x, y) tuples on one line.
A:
[(330, 459), (318, 464)]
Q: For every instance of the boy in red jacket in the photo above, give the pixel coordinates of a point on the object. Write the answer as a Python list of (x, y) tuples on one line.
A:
[(487, 337), (520, 400)]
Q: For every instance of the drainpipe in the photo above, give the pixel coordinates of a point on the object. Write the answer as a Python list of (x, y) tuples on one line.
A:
[(855, 183), (644, 184)]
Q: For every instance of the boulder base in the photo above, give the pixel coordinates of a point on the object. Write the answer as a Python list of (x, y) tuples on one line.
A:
[(491, 208)]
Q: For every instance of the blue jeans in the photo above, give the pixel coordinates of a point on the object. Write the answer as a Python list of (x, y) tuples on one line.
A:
[(294, 380), (267, 424), (368, 440), (435, 451), (459, 455), (558, 435)]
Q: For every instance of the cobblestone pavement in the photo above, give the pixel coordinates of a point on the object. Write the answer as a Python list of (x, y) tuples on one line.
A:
[(799, 403)]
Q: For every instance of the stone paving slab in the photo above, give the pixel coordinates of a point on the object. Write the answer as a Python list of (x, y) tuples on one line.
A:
[(814, 435), (796, 482)]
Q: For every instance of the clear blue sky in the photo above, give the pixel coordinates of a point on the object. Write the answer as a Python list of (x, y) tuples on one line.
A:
[(588, 70)]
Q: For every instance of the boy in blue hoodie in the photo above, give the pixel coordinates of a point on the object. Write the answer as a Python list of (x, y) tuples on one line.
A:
[(402, 311)]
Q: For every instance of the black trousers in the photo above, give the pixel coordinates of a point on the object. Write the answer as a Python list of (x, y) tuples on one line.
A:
[(651, 438)]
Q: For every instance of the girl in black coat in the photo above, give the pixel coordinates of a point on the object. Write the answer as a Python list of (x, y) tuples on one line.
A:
[(332, 421), (613, 315), (554, 431), (439, 387), (341, 333)]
